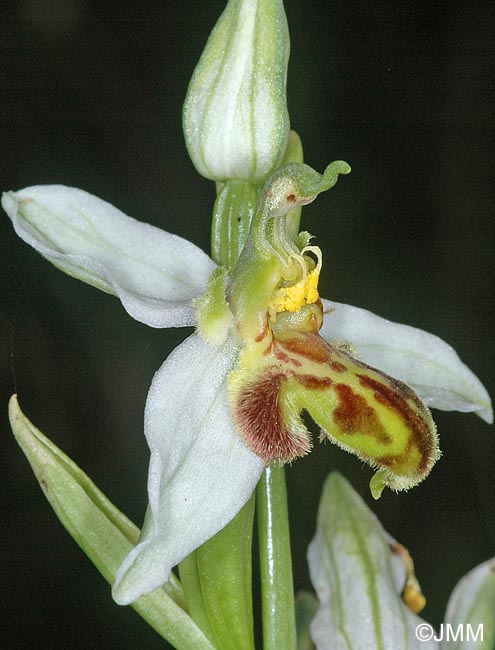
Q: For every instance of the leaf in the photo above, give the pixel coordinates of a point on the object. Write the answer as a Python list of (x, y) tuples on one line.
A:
[(101, 530)]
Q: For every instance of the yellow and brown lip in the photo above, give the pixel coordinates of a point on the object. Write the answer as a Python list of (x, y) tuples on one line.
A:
[(361, 409)]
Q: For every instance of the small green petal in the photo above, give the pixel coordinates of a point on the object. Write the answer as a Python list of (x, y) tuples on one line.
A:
[(212, 311), (294, 151), (377, 484)]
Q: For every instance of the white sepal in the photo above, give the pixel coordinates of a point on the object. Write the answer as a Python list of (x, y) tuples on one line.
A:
[(470, 617), (357, 578), (155, 274), (201, 473), (421, 360), (236, 122)]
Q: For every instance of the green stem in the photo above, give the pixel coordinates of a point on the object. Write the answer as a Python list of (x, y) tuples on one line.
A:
[(217, 583), (277, 592), (216, 577), (234, 208)]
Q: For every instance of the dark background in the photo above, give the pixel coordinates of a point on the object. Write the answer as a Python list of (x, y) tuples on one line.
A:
[(91, 97)]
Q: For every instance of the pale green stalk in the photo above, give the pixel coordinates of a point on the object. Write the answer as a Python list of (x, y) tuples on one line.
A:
[(277, 592), (217, 577)]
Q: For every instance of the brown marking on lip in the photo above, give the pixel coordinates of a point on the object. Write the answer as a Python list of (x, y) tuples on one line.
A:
[(263, 333), (391, 461), (291, 198), (312, 347), (312, 382), (285, 358), (395, 397), (403, 390), (258, 415), (313, 322), (355, 415), (336, 366)]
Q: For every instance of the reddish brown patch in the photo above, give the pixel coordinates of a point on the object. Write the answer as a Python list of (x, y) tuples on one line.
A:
[(395, 398), (259, 416), (313, 322), (398, 387), (336, 366), (312, 347), (355, 415), (263, 333), (392, 462), (312, 382), (285, 358), (44, 483), (291, 198)]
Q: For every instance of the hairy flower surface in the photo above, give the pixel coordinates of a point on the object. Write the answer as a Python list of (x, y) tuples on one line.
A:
[(228, 400)]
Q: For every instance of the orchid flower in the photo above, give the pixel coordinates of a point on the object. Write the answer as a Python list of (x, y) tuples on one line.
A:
[(368, 595), (266, 348)]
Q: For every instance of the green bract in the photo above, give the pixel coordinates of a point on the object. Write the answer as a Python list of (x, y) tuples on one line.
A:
[(236, 122), (101, 530)]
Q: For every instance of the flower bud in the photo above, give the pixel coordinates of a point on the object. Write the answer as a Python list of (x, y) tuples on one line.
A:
[(358, 569), (235, 118)]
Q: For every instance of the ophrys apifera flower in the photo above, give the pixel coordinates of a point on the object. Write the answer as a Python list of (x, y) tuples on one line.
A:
[(228, 400)]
